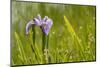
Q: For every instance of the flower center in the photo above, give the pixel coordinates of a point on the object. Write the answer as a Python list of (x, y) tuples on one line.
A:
[(44, 25)]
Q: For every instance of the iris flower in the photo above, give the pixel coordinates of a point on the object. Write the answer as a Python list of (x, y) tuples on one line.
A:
[(45, 24)]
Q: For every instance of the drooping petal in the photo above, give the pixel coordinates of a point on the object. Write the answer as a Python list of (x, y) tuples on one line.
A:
[(49, 22), (28, 25), (46, 30), (36, 22), (46, 27)]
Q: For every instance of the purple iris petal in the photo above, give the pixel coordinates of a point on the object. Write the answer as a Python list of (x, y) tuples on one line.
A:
[(37, 22), (29, 24), (46, 27), (45, 18), (39, 17)]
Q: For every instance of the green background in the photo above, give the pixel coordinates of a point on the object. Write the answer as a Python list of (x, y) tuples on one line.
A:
[(62, 47)]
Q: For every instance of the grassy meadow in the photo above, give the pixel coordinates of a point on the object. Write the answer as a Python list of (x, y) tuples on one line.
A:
[(72, 37)]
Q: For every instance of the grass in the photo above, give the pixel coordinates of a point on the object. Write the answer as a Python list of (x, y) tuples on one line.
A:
[(72, 37)]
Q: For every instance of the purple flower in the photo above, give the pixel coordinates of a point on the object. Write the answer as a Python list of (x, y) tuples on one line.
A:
[(29, 24), (45, 24)]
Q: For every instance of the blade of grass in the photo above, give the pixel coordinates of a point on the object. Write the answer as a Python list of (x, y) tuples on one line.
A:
[(75, 38), (20, 47), (12, 62)]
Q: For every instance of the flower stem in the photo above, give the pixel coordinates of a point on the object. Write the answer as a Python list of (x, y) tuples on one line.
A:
[(33, 45), (45, 40)]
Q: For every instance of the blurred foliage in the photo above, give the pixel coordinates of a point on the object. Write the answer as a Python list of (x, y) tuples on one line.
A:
[(78, 27)]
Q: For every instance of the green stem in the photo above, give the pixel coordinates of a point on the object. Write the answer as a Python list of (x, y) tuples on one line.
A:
[(33, 45), (45, 40)]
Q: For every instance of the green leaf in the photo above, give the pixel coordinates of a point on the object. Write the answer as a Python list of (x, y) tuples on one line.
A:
[(75, 38), (20, 48)]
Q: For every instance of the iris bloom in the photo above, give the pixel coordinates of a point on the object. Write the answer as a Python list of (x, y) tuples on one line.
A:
[(45, 24)]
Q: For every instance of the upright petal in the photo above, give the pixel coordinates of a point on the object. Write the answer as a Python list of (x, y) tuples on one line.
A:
[(28, 25), (45, 18), (37, 22), (39, 17)]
